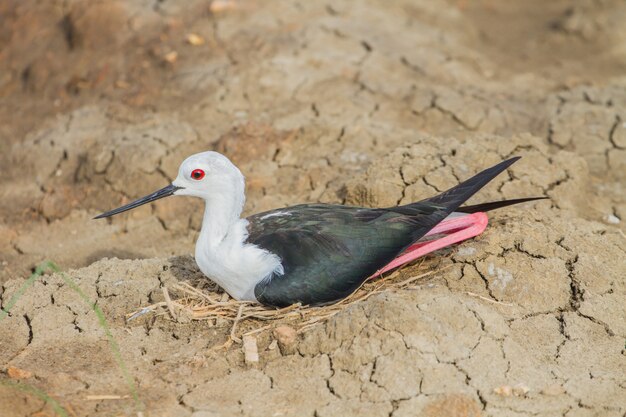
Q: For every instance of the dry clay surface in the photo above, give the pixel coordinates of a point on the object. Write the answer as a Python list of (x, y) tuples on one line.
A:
[(528, 320), (372, 103)]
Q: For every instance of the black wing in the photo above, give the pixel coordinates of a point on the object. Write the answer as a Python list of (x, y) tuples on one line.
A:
[(327, 251)]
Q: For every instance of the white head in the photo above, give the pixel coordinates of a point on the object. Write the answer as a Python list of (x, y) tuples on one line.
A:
[(208, 175)]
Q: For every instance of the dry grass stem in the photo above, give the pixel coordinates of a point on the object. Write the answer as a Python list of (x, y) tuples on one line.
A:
[(106, 397), (200, 302), (471, 294), (168, 302)]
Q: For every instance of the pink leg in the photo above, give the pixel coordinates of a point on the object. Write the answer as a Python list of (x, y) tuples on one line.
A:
[(456, 229)]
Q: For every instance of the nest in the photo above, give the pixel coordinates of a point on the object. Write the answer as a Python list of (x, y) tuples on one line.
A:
[(202, 300)]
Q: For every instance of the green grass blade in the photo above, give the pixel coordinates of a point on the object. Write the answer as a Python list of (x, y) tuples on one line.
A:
[(19, 386), (107, 331), (18, 294), (39, 271)]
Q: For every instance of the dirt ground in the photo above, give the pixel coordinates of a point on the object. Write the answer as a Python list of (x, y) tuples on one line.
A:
[(366, 102)]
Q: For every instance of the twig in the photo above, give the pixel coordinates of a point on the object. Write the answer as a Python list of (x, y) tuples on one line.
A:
[(234, 328), (425, 274), (168, 302), (205, 303), (259, 330), (489, 299), (106, 397)]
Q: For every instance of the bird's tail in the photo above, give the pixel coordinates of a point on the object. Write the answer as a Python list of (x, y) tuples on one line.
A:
[(427, 213), (495, 205), (452, 199), (449, 223)]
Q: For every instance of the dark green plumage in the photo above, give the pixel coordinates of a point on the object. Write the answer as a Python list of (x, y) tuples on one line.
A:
[(327, 251)]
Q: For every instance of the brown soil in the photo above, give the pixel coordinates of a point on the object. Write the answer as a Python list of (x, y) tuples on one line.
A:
[(372, 103)]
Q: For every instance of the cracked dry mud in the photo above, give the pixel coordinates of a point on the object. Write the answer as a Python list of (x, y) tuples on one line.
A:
[(369, 103)]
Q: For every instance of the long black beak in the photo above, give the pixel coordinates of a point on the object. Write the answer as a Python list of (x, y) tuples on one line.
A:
[(163, 192)]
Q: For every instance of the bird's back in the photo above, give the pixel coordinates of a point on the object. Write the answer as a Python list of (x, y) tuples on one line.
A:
[(327, 251)]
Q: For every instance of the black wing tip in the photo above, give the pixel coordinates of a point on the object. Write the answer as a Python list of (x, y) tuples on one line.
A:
[(455, 196), (488, 174), (494, 205), (482, 178), (507, 163)]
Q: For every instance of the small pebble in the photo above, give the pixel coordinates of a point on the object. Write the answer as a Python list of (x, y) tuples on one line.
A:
[(466, 251), (250, 349), (504, 390), (286, 337), (17, 373), (519, 390), (612, 219), (195, 40), (170, 57)]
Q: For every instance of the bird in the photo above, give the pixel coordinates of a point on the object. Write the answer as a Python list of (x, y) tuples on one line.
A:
[(314, 254)]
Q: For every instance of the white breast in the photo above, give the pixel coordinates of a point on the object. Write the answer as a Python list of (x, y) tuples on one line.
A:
[(234, 265)]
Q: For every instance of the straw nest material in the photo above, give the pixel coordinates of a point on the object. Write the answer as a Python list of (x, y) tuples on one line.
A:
[(200, 299)]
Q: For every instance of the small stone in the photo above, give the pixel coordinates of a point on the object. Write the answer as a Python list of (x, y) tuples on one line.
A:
[(520, 390), (195, 40), (466, 251), (170, 57), (503, 390), (287, 338), (102, 161), (250, 349), (17, 373), (612, 219), (273, 345)]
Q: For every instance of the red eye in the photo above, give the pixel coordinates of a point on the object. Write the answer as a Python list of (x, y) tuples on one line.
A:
[(197, 174)]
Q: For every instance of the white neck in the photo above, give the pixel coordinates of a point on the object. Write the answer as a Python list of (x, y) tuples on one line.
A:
[(221, 212), (222, 252)]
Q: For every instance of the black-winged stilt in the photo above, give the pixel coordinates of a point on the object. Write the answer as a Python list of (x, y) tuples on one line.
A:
[(314, 253)]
